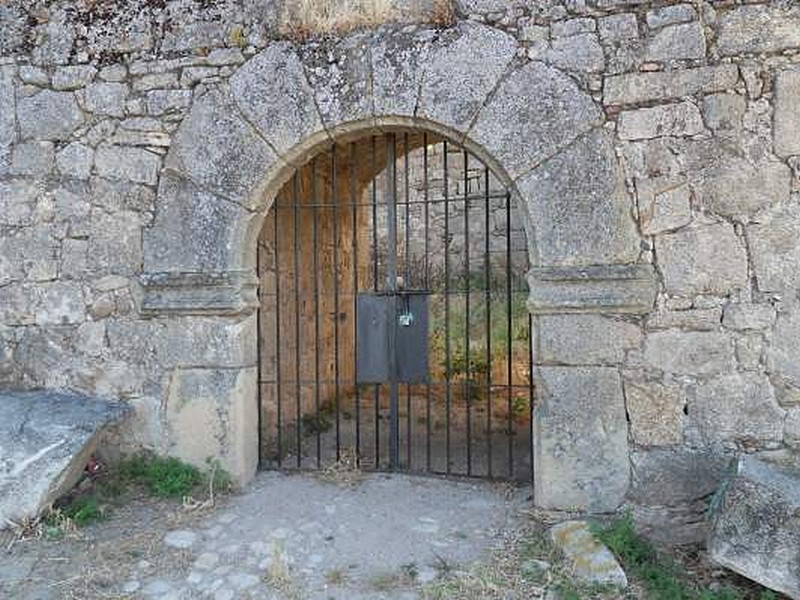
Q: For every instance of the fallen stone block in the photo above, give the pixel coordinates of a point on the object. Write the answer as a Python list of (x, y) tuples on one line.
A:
[(755, 524), (591, 561), (46, 439)]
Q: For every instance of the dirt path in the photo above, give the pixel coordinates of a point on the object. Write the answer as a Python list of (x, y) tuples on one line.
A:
[(286, 536)]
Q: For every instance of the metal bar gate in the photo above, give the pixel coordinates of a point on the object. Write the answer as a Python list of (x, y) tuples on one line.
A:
[(393, 332)]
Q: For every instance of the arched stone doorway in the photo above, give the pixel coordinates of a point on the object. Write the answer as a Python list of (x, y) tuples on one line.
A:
[(529, 122)]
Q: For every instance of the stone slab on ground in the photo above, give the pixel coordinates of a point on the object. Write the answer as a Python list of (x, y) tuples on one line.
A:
[(756, 524), (592, 562), (46, 438)]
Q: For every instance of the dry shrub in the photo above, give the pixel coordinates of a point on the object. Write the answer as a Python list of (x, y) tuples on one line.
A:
[(306, 18)]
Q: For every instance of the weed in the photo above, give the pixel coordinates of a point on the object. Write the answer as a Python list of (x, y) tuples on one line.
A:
[(163, 477), (84, 510), (336, 577)]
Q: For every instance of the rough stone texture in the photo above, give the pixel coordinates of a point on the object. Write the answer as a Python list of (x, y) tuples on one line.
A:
[(535, 112), (745, 317), (49, 115), (584, 339), (703, 259), (582, 216), (664, 204), (759, 29), (591, 561), (784, 351), (755, 531), (581, 451), (274, 95), (775, 245), (677, 42), (642, 87), (666, 120), (464, 67), (233, 161), (689, 353), (787, 113), (738, 408), (46, 441), (655, 412)]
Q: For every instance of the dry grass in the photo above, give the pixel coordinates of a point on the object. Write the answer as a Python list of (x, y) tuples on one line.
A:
[(345, 471), (307, 18)]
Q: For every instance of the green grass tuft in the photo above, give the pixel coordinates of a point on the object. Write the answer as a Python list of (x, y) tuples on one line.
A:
[(163, 477)]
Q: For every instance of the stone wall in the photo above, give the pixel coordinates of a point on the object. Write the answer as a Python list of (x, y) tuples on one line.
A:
[(681, 117)]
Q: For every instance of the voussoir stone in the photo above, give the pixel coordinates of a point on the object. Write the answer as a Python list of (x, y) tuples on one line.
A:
[(232, 161), (398, 59), (702, 259), (210, 229), (762, 28), (581, 207), (339, 72), (49, 115), (272, 92), (464, 65), (681, 119), (582, 433), (535, 111)]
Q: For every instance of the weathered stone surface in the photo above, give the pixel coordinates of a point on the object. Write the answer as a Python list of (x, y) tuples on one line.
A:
[(233, 161), (536, 111), (75, 160), (642, 87), (73, 77), (677, 42), (775, 246), (273, 94), (655, 412), (735, 408), (398, 59), (689, 352), (126, 163), (724, 112), (591, 561), (8, 125), (698, 319), (755, 531), (464, 66), (606, 288), (339, 72), (581, 432), (745, 317), (33, 158), (702, 259), (784, 351), (230, 293), (47, 438), (106, 98), (581, 207), (669, 15), (682, 119), (49, 115), (787, 113), (763, 28), (584, 339), (581, 53), (737, 188), (664, 203), (55, 39), (211, 229)]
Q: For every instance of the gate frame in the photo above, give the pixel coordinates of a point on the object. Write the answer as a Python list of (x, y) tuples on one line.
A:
[(541, 134)]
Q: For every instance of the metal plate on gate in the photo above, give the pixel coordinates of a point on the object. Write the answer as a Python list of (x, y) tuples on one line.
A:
[(376, 314)]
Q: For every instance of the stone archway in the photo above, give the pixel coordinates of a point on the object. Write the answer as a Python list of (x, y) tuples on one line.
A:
[(530, 122)]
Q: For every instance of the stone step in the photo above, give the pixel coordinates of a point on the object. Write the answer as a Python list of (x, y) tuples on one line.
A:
[(46, 439), (591, 561), (755, 522)]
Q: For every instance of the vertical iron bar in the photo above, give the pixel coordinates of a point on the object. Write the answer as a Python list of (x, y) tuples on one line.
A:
[(354, 263), (298, 389), (337, 400), (510, 349), (315, 275), (375, 288), (487, 275), (391, 285), (446, 305), (278, 329), (425, 188), (468, 386), (407, 282)]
